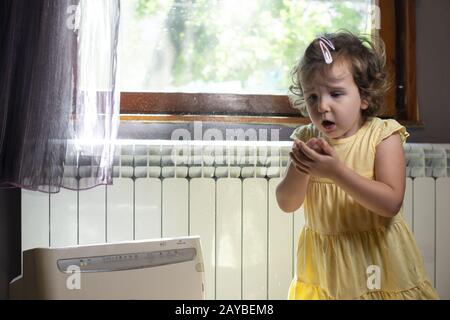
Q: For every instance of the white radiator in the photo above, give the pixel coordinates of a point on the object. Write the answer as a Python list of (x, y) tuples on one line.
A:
[(226, 195)]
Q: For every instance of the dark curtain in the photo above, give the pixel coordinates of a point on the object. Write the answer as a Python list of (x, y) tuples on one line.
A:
[(46, 110)]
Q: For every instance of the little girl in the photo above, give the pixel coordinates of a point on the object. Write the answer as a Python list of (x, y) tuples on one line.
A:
[(348, 169)]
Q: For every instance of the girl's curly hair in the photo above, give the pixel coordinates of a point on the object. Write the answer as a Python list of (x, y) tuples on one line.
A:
[(367, 58)]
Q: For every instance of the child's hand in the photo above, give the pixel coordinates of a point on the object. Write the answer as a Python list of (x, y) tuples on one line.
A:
[(314, 144), (297, 157), (316, 157)]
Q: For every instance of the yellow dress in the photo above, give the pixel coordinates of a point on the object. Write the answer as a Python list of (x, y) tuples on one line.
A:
[(345, 251)]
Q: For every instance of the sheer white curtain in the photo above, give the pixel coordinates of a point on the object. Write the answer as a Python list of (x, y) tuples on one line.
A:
[(97, 106)]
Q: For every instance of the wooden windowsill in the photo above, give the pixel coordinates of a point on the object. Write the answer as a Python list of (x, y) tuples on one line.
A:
[(288, 121), (285, 121), (214, 107), (231, 108)]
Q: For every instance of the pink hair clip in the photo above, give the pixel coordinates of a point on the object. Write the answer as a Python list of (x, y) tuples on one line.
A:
[(324, 42)]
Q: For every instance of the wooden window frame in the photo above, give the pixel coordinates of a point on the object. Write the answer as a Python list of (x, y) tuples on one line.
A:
[(397, 31)]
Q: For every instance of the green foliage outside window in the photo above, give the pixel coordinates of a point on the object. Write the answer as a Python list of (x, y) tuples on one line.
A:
[(251, 44)]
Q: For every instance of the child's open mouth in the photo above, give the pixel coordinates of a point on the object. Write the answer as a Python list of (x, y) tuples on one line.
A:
[(328, 125)]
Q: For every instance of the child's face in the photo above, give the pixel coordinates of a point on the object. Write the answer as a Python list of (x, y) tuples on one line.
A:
[(334, 104)]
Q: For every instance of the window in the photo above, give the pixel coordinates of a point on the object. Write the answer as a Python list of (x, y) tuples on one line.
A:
[(229, 60), (398, 30)]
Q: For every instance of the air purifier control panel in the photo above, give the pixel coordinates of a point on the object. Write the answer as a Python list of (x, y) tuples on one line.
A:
[(127, 261)]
